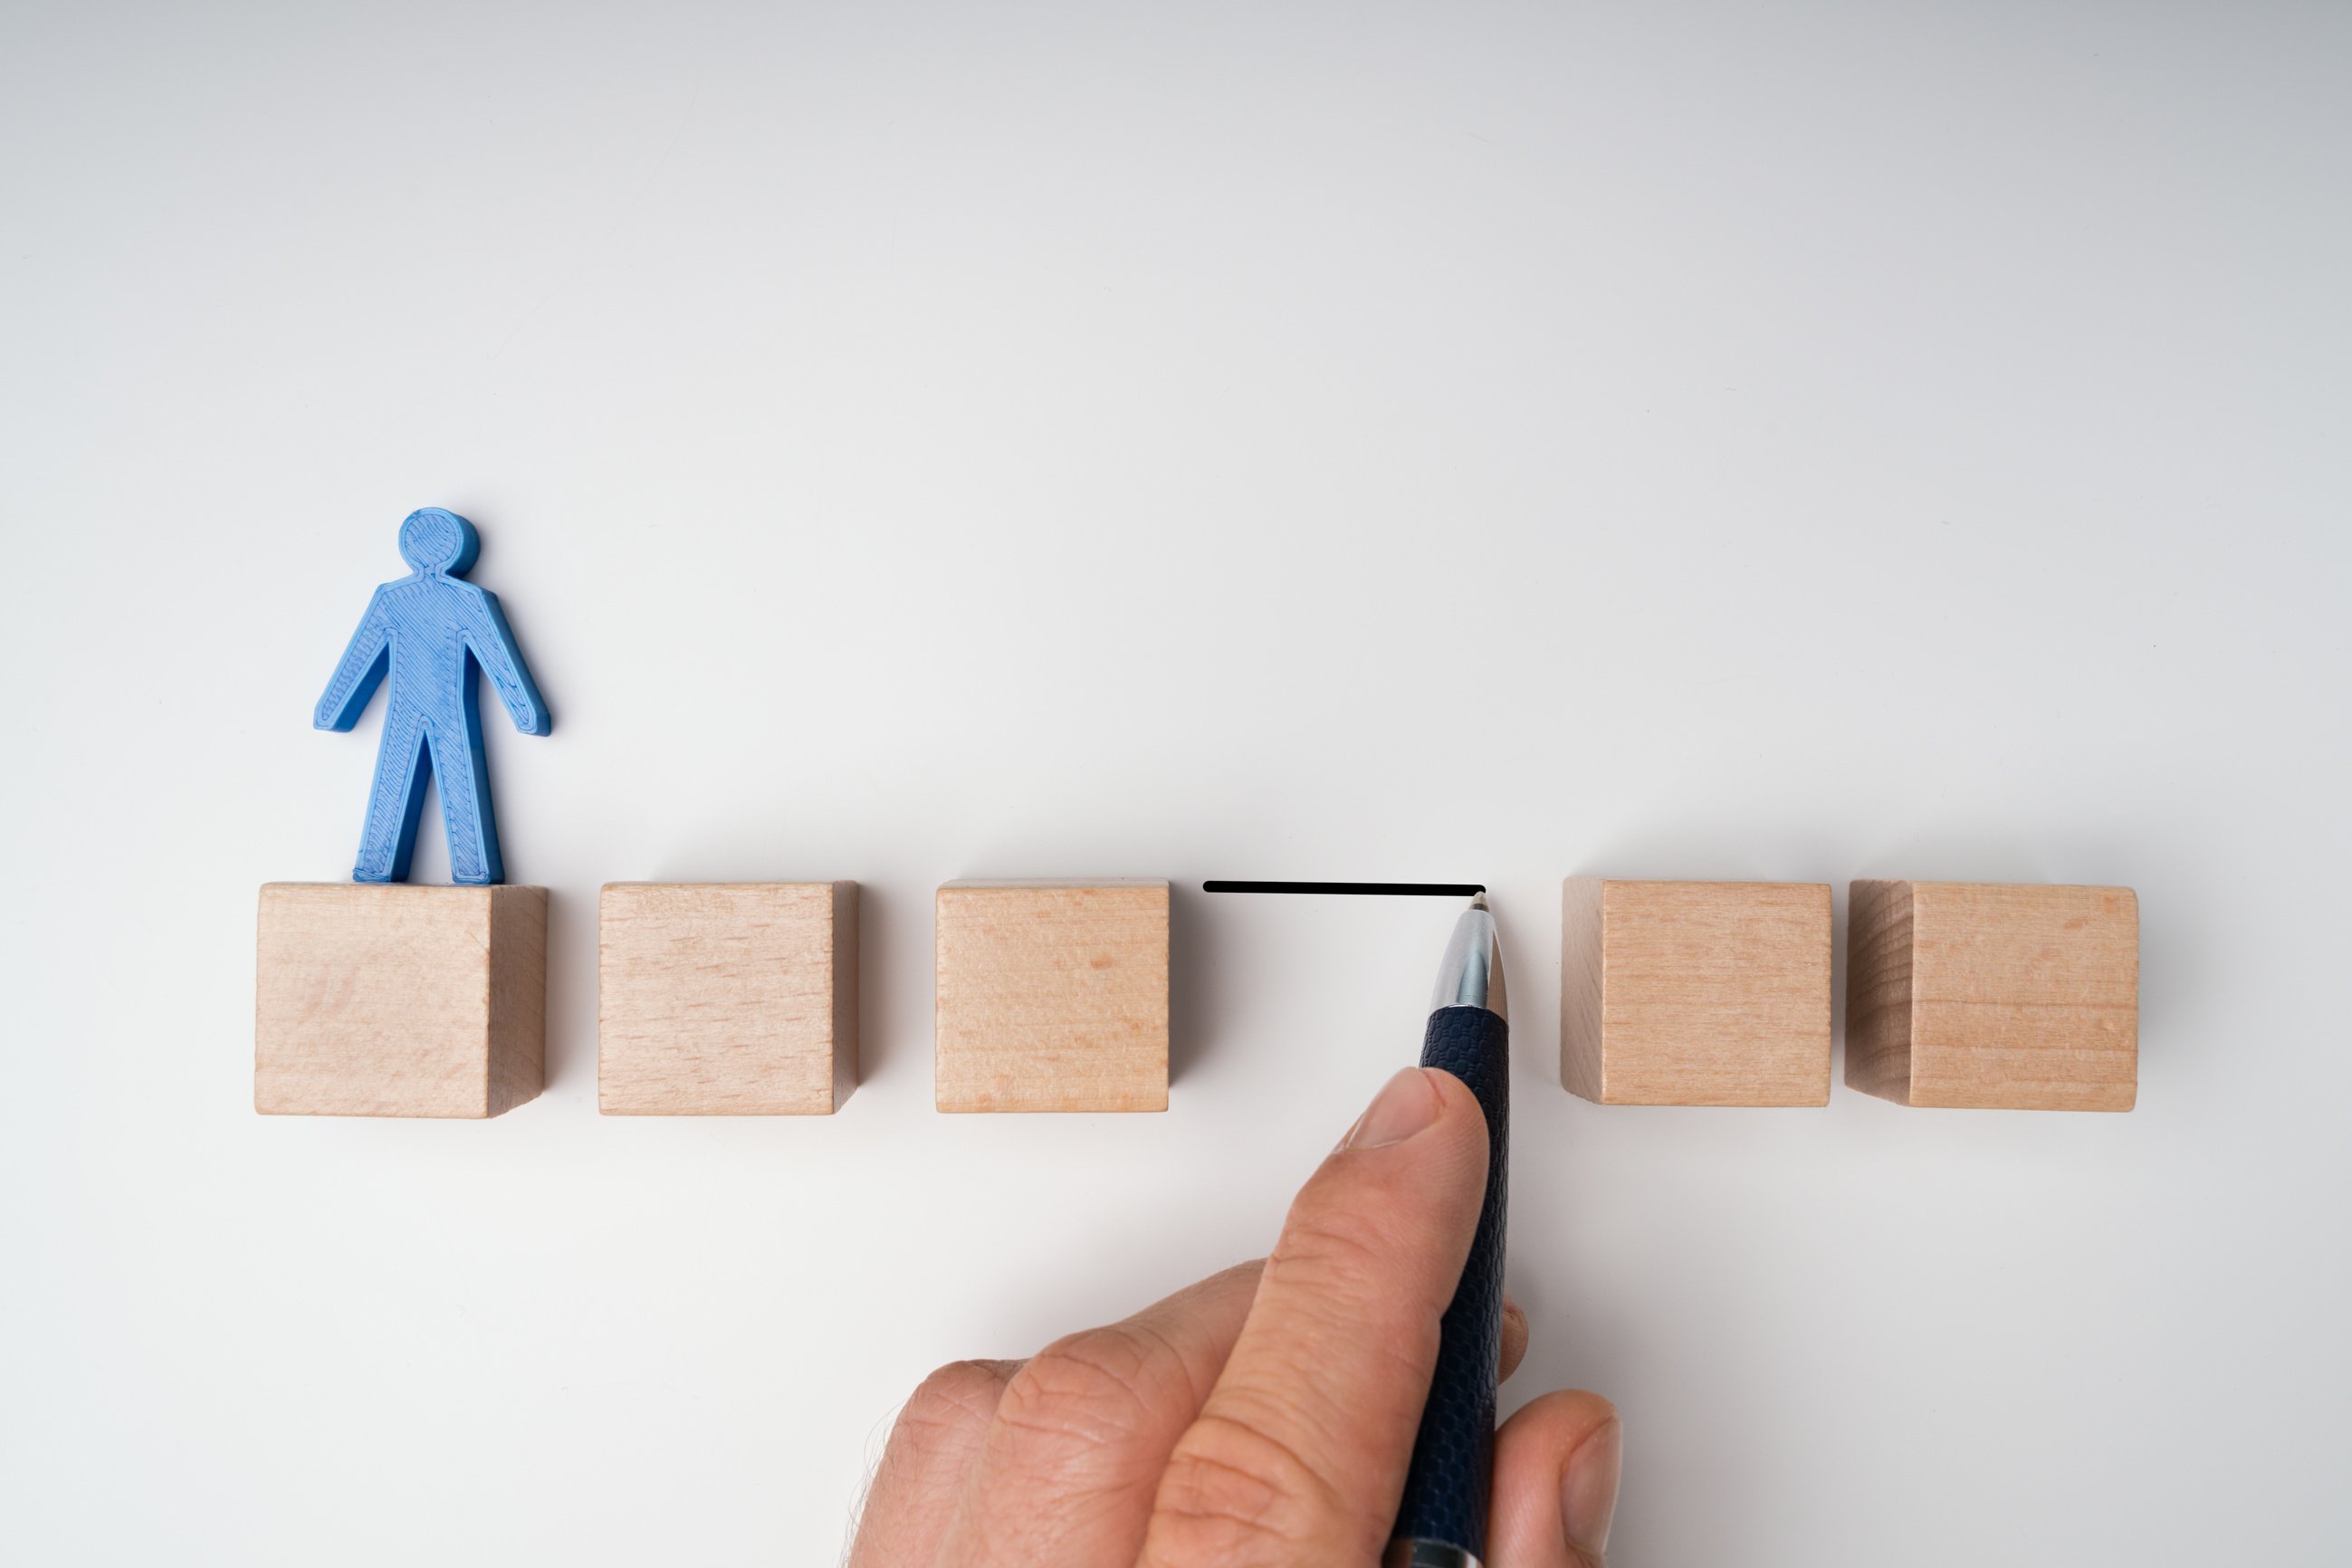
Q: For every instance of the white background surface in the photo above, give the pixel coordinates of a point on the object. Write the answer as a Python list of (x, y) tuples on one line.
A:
[(1487, 442)]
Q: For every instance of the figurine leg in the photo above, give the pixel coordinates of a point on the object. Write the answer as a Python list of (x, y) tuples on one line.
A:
[(395, 801), (465, 780)]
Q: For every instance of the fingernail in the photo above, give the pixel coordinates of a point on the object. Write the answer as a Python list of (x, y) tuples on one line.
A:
[(1587, 1490), (1405, 1104)]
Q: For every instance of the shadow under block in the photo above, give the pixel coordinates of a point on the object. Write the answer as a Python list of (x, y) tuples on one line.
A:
[(1993, 996), (1053, 996), (382, 999), (1695, 993), (726, 998)]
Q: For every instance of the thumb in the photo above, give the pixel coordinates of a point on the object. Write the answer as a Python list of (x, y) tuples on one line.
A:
[(1299, 1452)]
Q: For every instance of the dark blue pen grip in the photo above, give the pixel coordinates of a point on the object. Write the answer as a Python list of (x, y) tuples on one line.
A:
[(1445, 1492)]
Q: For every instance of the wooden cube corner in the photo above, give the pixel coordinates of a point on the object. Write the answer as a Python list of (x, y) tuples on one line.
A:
[(1996, 996), (726, 998), (1053, 995), (1695, 993), (383, 999)]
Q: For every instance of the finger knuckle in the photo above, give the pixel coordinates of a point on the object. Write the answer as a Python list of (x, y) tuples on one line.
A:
[(1233, 1493), (1334, 1253), (960, 1396), (1094, 1387)]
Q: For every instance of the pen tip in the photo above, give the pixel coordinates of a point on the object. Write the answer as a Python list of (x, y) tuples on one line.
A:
[(1477, 901)]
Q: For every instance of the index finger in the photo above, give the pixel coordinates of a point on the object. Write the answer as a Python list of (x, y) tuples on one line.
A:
[(1299, 1453)]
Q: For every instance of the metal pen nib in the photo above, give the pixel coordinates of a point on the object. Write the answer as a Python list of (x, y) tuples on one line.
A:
[(1471, 974)]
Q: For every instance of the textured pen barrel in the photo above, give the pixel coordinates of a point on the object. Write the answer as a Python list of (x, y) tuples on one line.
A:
[(1445, 1492)]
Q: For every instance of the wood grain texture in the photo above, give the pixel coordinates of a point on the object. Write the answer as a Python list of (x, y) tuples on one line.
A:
[(386, 1000), (1878, 989), (1695, 993), (726, 998), (1053, 995), (1994, 996), (1579, 987)]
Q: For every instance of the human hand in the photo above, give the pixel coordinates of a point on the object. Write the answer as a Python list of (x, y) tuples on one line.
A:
[(1261, 1418)]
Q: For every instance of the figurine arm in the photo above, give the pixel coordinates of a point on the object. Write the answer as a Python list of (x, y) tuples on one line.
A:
[(493, 645), (360, 673)]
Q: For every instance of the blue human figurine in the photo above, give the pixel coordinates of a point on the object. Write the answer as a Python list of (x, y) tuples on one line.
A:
[(429, 631)]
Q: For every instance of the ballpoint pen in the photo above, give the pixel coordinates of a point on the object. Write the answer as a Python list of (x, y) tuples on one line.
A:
[(1442, 1521)]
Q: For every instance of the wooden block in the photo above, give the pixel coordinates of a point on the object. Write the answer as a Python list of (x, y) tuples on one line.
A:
[(1053, 996), (380, 999), (726, 998), (1998, 997), (1695, 993)]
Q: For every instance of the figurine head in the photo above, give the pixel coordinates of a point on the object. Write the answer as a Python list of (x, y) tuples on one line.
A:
[(435, 540)]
